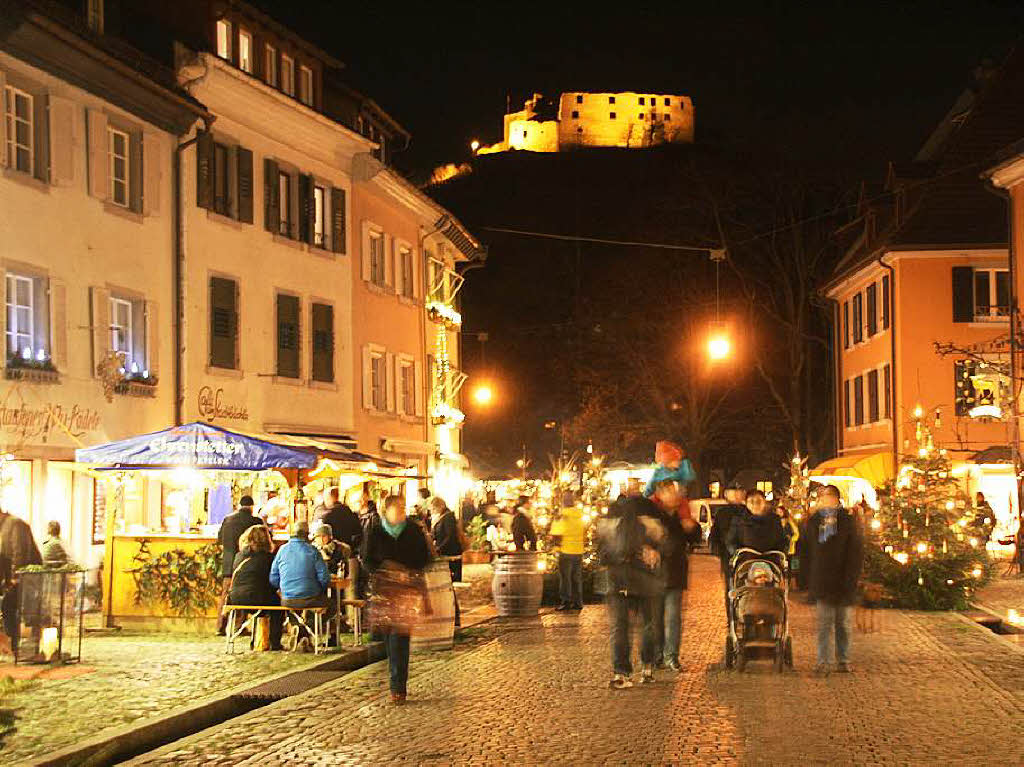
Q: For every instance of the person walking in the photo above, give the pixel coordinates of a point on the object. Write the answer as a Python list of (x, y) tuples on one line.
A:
[(395, 553), (569, 534), (836, 551), (448, 541), (231, 530), (629, 545), (250, 578), (299, 571), (17, 550), (725, 515), (343, 521), (758, 529), (681, 531), (524, 536)]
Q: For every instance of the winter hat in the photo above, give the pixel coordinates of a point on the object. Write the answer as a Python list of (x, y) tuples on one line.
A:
[(666, 452)]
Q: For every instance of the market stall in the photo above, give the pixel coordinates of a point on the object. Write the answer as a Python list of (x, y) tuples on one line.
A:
[(167, 492)]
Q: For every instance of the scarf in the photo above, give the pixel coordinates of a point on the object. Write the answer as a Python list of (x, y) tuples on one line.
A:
[(393, 530), (829, 522)]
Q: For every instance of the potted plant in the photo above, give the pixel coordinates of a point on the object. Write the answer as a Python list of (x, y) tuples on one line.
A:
[(478, 552)]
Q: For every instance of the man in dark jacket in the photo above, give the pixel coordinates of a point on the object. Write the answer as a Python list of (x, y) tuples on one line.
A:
[(17, 550), (759, 529), (836, 551), (717, 538), (448, 542), (343, 521), (681, 531), (231, 530), (629, 543), (523, 534)]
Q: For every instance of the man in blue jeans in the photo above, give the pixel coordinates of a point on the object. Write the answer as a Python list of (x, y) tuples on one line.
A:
[(835, 548)]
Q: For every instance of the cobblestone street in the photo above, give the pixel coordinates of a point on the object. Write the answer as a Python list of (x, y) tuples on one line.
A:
[(928, 689)]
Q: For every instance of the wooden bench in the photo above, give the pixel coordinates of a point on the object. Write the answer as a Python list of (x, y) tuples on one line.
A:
[(317, 630)]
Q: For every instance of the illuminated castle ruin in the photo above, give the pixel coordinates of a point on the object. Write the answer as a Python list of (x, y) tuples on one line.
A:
[(628, 120)]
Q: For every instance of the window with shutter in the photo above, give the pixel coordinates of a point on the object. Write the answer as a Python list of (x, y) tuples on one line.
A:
[(270, 65), (318, 216), (305, 208), (284, 206), (872, 396), (20, 130), (221, 179), (885, 302), (338, 220), (271, 203), (846, 403), (858, 318), (288, 75), (245, 204), (287, 336), (245, 51), (405, 264), (887, 391), (377, 268), (119, 167), (872, 309), (225, 38), (204, 170), (378, 381), (406, 387), (223, 323), (323, 343), (20, 316), (858, 400)]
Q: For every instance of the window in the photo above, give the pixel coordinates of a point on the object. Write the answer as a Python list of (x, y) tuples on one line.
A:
[(872, 396), (575, 115), (668, 102), (221, 194), (306, 86), (288, 75), (406, 265), (270, 65), (846, 403), (666, 117), (991, 294), (284, 202), (121, 335), (20, 315), (885, 302), (872, 309), (846, 324), (858, 400), (611, 99), (858, 318), (245, 50), (223, 323), (224, 35), (323, 343), (287, 336), (377, 272), (579, 99), (887, 391), (640, 116), (94, 15), (117, 152), (611, 115), (641, 101), (407, 387), (20, 130), (318, 216), (378, 381)]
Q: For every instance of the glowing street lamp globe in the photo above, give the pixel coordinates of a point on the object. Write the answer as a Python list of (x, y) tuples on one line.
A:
[(483, 395), (719, 347)]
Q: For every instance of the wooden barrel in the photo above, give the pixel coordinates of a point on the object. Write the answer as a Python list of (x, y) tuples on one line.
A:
[(518, 584), (436, 630)]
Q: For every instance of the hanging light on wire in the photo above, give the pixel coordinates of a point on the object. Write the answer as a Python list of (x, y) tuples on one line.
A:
[(719, 344)]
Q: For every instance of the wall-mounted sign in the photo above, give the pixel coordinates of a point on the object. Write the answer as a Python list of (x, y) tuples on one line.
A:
[(213, 406), (40, 421), (982, 388)]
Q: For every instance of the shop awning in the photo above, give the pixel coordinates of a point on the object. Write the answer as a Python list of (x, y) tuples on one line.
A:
[(201, 446), (875, 468)]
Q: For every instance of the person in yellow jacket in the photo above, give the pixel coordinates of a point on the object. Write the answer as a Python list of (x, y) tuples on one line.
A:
[(569, 534)]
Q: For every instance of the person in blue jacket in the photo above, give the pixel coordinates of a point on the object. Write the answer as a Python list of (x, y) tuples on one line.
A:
[(301, 575), (672, 465)]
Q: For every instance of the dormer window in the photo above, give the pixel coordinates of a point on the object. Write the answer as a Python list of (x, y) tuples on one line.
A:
[(94, 16), (245, 51), (306, 86), (288, 75), (270, 65), (224, 39)]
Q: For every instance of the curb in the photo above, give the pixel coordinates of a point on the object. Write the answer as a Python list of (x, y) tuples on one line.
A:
[(988, 632), (148, 734)]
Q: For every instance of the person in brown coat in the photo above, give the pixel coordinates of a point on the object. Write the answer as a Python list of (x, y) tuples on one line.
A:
[(17, 550)]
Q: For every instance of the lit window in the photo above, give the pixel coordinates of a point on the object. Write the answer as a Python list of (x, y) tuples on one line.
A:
[(306, 86), (318, 216), (245, 50), (270, 65), (991, 294), (117, 151), (224, 39), (377, 274), (288, 75), (284, 202), (20, 315), (378, 382), (20, 144), (121, 335)]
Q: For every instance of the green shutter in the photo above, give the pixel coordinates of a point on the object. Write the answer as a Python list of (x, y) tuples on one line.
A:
[(323, 343), (245, 206), (287, 336), (271, 204), (223, 322)]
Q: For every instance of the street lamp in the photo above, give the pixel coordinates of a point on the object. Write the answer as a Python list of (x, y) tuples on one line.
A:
[(483, 394), (474, 145), (719, 346)]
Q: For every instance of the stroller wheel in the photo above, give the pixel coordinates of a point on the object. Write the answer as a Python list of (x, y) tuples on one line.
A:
[(730, 653), (788, 651), (741, 659)]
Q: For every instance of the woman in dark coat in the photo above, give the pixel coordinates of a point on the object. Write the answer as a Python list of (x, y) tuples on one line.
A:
[(250, 580), (395, 552)]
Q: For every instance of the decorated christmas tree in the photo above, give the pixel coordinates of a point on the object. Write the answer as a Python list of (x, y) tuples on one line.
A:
[(929, 547), (797, 498)]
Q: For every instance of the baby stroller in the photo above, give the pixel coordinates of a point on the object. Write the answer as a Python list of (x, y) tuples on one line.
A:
[(758, 609)]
